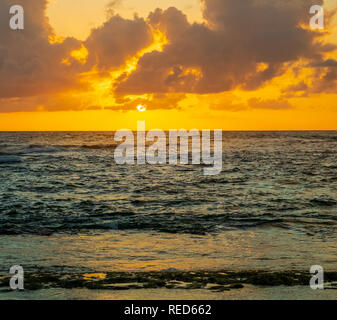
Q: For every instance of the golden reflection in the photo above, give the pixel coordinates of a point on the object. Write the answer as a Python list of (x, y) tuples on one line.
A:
[(94, 276)]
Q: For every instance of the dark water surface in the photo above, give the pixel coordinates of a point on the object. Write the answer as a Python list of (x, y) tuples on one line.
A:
[(66, 205)]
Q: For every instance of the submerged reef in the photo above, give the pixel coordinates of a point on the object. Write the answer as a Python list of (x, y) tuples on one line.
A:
[(209, 280)]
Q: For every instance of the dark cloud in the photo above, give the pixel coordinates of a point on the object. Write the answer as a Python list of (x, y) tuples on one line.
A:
[(301, 86), (326, 82), (323, 80), (117, 40), (253, 103), (325, 77), (157, 101), (29, 63), (326, 63), (227, 51), (242, 44), (112, 6), (279, 104)]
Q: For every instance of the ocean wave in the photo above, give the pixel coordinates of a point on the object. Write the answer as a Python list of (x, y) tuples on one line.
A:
[(28, 150), (15, 222), (41, 149), (323, 202), (31, 149), (9, 159)]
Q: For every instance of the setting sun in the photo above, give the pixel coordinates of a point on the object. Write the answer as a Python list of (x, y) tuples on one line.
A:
[(141, 108), (169, 59), (170, 150)]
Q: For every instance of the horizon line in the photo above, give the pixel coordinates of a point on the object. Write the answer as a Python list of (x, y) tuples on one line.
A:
[(166, 130)]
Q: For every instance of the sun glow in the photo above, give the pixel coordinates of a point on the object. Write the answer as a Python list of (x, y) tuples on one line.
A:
[(80, 55), (141, 108), (102, 88), (83, 96)]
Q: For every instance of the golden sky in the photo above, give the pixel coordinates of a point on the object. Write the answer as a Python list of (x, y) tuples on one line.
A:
[(224, 64), (88, 14)]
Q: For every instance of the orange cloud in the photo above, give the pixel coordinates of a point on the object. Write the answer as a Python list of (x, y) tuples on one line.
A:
[(261, 49)]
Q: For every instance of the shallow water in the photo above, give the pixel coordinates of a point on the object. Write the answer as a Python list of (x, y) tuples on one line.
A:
[(248, 293), (65, 205)]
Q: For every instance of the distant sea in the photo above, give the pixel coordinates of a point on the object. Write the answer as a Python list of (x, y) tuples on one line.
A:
[(66, 207)]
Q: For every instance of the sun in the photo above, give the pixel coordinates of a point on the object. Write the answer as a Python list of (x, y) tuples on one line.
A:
[(141, 108)]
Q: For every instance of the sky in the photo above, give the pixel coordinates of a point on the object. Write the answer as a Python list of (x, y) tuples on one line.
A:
[(207, 64)]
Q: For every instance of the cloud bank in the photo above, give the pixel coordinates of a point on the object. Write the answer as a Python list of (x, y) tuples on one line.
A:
[(241, 45)]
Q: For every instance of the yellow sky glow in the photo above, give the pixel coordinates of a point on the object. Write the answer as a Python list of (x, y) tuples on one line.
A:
[(77, 17)]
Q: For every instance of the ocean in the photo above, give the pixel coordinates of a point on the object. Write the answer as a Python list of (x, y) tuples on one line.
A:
[(67, 208)]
